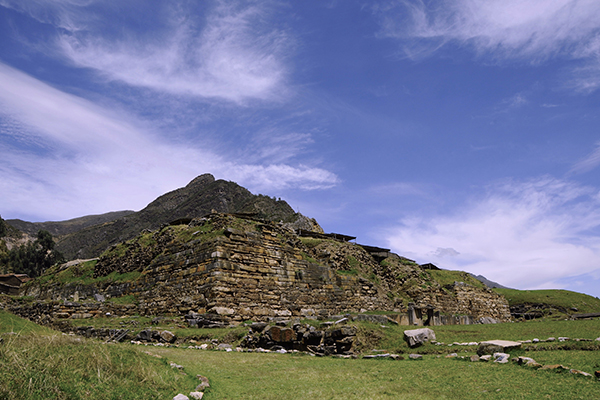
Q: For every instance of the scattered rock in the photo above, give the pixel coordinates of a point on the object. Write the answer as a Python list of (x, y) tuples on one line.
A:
[(181, 397), (563, 339), (485, 358), (557, 367), (415, 356), (452, 355), (501, 358), (417, 337), (258, 326), (474, 358), (100, 297), (370, 356), (578, 372), (167, 336), (174, 365), (529, 362), (196, 395), (204, 384)]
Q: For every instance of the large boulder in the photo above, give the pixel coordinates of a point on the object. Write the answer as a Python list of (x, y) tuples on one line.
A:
[(416, 337), (496, 346)]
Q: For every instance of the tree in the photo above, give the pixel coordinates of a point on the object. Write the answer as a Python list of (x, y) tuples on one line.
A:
[(2, 227), (34, 257)]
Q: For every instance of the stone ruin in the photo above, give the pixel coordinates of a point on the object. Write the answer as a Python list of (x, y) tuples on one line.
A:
[(243, 269)]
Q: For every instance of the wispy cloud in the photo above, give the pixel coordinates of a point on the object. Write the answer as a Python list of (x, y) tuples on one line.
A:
[(521, 234), (228, 54), (590, 162), (82, 158), (528, 30)]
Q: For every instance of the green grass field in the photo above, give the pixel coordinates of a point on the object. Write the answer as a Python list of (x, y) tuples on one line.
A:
[(38, 363), (276, 376)]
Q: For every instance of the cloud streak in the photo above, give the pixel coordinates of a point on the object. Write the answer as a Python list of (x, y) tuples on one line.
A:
[(521, 234), (81, 158), (528, 30)]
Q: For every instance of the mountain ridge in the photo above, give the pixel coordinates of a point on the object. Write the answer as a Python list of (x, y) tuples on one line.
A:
[(199, 197)]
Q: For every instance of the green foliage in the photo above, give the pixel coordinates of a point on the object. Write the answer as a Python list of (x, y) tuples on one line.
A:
[(311, 242), (2, 227), (561, 299), (447, 278), (33, 258), (353, 262), (308, 258), (127, 299)]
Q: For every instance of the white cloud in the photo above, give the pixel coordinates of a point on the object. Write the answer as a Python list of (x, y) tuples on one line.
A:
[(524, 235), (231, 58), (227, 54), (529, 30), (74, 157)]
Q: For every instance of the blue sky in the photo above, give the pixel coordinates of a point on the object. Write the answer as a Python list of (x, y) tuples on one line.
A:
[(463, 133)]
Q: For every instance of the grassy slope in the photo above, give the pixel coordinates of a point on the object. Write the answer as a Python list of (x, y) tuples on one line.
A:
[(564, 299), (41, 364)]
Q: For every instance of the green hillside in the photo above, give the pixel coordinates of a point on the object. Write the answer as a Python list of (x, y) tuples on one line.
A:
[(553, 302)]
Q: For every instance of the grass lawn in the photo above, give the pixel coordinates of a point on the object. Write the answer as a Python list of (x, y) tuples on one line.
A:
[(277, 376)]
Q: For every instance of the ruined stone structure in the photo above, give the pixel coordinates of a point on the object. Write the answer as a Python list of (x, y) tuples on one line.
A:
[(241, 269)]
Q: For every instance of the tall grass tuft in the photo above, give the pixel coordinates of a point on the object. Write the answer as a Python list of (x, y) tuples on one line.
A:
[(65, 367)]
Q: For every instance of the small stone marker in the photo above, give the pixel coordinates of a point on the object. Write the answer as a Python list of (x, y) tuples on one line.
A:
[(496, 346), (416, 337)]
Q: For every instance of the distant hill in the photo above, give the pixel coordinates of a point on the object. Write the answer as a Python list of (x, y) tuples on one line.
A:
[(60, 228), (550, 303), (201, 196), (488, 283)]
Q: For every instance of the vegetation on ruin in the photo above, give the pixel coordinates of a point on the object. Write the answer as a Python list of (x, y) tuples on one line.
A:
[(448, 278)]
